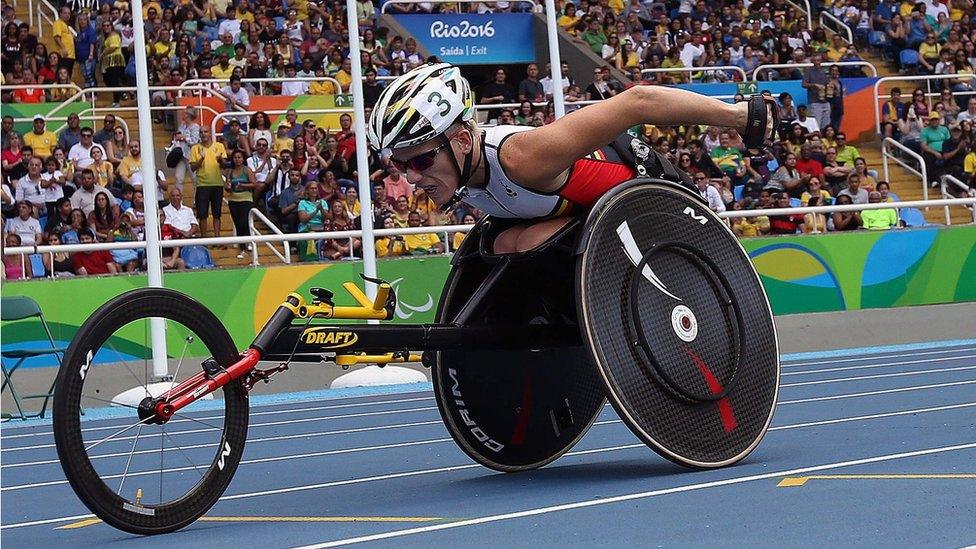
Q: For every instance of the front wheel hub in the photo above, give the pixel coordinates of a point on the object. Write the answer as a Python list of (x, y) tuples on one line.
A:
[(147, 411)]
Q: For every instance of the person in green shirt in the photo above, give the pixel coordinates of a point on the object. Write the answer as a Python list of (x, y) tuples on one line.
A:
[(594, 36), (728, 159), (846, 153), (878, 220), (931, 138)]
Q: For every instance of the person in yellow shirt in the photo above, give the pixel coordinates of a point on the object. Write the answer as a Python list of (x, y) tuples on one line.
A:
[(837, 49), (423, 243), (459, 236), (244, 12), (568, 20), (344, 76), (351, 199), (222, 69), (929, 52), (282, 142), (64, 40), (322, 87), (41, 140), (905, 8), (131, 164), (207, 160), (301, 6), (617, 6), (390, 246), (422, 204), (151, 4), (969, 164)]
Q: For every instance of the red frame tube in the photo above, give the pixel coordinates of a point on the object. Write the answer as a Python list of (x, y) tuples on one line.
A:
[(200, 385)]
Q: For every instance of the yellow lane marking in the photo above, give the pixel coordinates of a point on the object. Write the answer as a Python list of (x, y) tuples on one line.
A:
[(92, 521), (79, 524), (790, 482)]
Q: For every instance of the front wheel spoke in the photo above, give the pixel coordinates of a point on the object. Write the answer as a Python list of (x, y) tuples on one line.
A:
[(179, 364), (162, 445), (195, 420), (145, 383), (186, 457), (128, 460), (117, 433)]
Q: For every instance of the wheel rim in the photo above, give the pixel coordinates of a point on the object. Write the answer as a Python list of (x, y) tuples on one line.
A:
[(136, 474)]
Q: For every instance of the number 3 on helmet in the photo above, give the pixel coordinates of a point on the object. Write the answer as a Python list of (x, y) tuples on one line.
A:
[(419, 106)]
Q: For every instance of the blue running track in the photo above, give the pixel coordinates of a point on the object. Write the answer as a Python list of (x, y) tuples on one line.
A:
[(872, 447)]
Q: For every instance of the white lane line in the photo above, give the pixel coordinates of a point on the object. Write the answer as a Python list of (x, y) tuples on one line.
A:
[(405, 474), (251, 414), (868, 366), (265, 424), (879, 357), (641, 495), (416, 399), (249, 442), (876, 376), (785, 365), (879, 392), (290, 457), (437, 422), (45, 521)]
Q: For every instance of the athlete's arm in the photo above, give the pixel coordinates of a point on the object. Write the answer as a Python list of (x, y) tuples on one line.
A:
[(536, 158)]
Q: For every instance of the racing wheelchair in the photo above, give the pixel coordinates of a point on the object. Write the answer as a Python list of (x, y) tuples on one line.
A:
[(649, 301)]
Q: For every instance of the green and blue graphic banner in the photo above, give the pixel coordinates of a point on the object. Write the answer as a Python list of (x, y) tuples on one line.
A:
[(801, 274)]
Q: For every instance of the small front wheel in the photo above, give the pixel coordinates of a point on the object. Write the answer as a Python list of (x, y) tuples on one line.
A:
[(135, 474)]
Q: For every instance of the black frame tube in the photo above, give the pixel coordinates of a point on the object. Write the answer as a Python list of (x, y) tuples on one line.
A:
[(318, 340)]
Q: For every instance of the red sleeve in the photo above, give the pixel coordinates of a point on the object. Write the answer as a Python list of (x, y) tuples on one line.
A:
[(590, 179)]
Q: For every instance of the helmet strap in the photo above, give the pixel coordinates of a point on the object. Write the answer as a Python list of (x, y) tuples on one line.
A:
[(463, 173)]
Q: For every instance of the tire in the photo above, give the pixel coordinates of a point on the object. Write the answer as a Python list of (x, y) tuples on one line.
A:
[(91, 488)]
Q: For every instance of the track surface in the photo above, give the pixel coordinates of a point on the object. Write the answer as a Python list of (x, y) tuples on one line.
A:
[(906, 410)]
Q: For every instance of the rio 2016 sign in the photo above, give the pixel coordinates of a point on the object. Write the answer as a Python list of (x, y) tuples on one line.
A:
[(474, 39)]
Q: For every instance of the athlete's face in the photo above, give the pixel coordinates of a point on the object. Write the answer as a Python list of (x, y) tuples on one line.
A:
[(431, 166)]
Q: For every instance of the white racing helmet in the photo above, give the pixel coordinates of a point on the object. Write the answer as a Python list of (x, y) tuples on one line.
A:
[(419, 106)]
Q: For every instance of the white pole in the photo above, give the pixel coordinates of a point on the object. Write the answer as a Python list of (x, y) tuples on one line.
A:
[(555, 64), (149, 185), (362, 152)]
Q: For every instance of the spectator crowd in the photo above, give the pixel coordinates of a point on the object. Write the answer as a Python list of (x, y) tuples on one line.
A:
[(85, 183)]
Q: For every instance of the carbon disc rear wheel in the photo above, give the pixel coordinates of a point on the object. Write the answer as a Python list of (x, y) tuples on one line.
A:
[(678, 325)]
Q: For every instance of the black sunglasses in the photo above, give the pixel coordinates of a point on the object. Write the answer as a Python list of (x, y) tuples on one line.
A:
[(419, 163)]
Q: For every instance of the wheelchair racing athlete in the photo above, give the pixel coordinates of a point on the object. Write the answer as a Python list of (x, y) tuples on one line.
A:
[(423, 122)]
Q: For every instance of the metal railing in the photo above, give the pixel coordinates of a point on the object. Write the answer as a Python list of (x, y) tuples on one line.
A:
[(774, 66), (256, 213), (222, 115), (720, 68), (108, 89), (841, 26), (260, 82), (851, 207), (947, 180), (255, 239), (922, 77), (535, 6), (886, 155)]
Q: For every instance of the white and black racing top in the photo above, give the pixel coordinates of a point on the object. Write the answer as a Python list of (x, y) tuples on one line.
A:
[(501, 196)]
